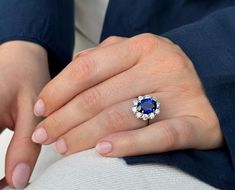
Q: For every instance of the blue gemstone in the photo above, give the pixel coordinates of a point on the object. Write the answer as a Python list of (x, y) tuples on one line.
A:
[(148, 105)]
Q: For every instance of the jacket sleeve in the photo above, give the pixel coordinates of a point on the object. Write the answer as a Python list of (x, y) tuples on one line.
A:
[(210, 44), (48, 23)]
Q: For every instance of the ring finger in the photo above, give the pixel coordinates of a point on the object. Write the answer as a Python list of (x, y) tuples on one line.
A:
[(89, 103), (118, 117)]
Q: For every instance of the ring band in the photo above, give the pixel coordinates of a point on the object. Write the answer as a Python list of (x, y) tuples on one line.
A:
[(146, 107)]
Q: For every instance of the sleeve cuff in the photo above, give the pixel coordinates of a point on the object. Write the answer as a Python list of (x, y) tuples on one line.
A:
[(47, 23)]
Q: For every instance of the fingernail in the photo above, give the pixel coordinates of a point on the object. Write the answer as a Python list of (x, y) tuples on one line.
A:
[(21, 175), (104, 147), (60, 146), (39, 135), (39, 108)]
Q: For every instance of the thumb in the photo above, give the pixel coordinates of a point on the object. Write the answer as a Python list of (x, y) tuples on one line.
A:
[(22, 153)]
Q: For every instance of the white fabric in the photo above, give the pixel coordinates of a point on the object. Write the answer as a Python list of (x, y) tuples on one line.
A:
[(46, 158), (87, 170), (4, 141), (89, 22)]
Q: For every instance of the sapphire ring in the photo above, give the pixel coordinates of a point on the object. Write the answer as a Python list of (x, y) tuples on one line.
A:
[(146, 107)]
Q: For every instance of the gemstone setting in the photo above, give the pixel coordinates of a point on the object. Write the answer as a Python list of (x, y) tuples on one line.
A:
[(146, 107)]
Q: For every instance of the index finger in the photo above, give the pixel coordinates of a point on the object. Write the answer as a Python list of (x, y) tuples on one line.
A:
[(22, 153), (89, 69)]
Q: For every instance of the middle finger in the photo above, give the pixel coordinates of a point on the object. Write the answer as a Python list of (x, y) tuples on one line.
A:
[(119, 117), (89, 103), (84, 72)]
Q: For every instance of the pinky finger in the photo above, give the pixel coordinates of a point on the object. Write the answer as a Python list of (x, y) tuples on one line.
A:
[(163, 136)]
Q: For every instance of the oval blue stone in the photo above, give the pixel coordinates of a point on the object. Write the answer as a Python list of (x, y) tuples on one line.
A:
[(148, 105)]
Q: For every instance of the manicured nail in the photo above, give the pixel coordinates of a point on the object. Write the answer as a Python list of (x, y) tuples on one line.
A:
[(39, 108), (104, 148), (39, 135), (60, 146), (21, 175)]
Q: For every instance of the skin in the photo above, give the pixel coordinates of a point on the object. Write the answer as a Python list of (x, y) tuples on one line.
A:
[(89, 103), (23, 73)]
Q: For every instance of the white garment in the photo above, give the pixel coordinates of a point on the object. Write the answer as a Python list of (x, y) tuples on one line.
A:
[(89, 18), (87, 170)]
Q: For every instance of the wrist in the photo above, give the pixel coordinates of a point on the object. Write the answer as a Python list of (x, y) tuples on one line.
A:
[(26, 61), (31, 47)]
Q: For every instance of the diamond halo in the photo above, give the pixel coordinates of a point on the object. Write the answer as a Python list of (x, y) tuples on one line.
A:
[(146, 107)]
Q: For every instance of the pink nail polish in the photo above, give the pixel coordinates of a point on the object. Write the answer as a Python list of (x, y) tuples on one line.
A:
[(104, 148), (39, 108), (39, 135), (60, 146), (21, 175)]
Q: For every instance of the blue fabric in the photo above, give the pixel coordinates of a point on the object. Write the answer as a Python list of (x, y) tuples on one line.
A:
[(204, 29), (49, 23)]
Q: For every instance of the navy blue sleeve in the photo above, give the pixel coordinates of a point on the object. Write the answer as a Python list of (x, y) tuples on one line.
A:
[(210, 44), (48, 23)]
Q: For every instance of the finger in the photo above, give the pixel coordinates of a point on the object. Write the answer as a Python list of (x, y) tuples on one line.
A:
[(116, 118), (91, 102), (163, 136), (85, 72), (111, 40), (83, 52), (3, 183), (22, 152)]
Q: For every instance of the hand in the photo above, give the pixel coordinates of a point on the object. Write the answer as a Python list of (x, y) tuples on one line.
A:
[(89, 102), (23, 73)]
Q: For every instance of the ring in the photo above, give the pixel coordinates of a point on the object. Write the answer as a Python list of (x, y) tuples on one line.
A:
[(146, 107)]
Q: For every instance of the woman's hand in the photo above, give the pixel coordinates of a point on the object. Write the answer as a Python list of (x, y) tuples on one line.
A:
[(89, 103), (23, 73)]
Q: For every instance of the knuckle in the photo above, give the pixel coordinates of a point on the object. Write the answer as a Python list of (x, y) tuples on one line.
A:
[(175, 61), (171, 136), (216, 137), (165, 40), (111, 40), (130, 142), (115, 120), (82, 67), (92, 101), (48, 93), (185, 133), (212, 127), (22, 141), (146, 36), (51, 124), (146, 42), (179, 59)]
